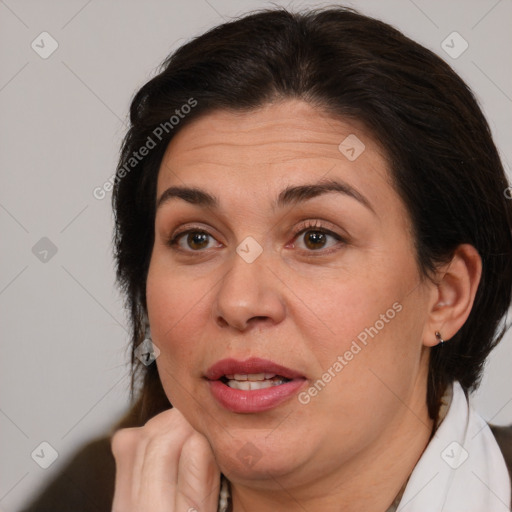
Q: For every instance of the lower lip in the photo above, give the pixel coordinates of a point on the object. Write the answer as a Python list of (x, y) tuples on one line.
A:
[(237, 400)]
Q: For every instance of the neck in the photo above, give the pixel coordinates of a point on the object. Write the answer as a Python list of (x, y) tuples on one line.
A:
[(369, 481)]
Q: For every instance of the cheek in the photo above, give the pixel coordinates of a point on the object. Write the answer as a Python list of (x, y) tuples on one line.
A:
[(177, 313), (173, 296), (368, 326), (363, 306)]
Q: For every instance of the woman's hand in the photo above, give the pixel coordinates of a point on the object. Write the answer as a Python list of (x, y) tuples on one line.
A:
[(164, 466)]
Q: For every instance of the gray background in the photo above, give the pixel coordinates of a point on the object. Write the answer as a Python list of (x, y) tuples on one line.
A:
[(64, 374)]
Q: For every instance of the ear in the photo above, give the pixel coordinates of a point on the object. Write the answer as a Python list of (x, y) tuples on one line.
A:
[(453, 294)]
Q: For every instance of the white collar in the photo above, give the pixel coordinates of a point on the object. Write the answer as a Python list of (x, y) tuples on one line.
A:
[(462, 469)]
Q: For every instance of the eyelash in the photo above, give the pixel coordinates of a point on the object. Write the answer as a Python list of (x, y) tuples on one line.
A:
[(307, 226)]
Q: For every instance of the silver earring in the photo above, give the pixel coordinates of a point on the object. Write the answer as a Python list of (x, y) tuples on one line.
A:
[(147, 351), (439, 337)]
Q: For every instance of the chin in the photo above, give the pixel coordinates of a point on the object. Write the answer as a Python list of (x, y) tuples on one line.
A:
[(269, 470), (249, 455)]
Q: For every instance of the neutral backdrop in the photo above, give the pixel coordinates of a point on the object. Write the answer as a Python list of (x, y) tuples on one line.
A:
[(64, 374)]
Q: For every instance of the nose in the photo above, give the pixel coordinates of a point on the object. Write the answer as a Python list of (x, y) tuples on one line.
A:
[(249, 294)]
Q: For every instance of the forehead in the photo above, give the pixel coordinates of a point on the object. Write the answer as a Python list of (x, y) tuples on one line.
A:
[(280, 144)]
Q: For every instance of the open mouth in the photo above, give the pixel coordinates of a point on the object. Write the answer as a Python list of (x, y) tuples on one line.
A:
[(253, 381), (252, 385)]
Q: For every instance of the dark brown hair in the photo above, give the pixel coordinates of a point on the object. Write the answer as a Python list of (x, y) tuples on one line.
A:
[(441, 155)]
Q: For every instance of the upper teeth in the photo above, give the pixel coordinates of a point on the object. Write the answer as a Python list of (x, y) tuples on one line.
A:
[(254, 381), (251, 376)]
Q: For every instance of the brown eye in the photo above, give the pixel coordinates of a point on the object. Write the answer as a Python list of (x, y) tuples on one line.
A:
[(197, 240), (193, 241), (315, 239)]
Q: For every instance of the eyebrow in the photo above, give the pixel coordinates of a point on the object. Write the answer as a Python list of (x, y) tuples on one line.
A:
[(290, 195)]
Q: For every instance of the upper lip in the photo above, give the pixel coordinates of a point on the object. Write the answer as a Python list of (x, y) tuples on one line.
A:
[(249, 366)]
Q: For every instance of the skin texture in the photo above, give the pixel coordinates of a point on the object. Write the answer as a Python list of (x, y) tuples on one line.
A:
[(301, 303)]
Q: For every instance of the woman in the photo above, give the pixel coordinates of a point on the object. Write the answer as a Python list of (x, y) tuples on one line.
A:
[(314, 242)]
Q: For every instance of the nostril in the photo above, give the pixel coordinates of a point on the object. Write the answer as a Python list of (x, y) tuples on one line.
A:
[(221, 322), (258, 318)]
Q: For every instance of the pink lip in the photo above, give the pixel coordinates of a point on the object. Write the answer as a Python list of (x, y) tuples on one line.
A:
[(240, 401), (252, 365)]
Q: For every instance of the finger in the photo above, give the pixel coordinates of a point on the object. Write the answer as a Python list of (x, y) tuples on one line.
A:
[(124, 445), (198, 477)]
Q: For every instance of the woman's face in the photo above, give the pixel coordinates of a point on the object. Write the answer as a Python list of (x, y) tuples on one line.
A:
[(297, 251)]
